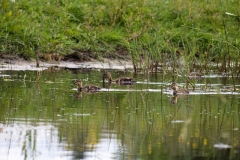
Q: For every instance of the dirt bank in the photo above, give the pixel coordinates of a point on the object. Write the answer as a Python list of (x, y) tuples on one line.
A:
[(17, 63)]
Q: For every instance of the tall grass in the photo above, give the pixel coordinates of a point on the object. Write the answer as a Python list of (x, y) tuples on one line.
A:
[(152, 31)]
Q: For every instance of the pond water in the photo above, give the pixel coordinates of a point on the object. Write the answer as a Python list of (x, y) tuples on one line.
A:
[(52, 120)]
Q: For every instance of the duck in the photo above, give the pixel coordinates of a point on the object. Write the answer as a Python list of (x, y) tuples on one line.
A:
[(177, 90), (121, 80), (86, 88), (195, 75)]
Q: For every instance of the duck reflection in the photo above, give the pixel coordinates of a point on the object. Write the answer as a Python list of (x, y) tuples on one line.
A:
[(78, 95), (107, 85), (173, 100)]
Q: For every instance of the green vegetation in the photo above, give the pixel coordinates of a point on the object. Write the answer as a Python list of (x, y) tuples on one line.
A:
[(200, 31)]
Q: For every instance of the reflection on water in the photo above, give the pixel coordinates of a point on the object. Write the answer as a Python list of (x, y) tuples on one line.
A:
[(21, 140), (51, 119)]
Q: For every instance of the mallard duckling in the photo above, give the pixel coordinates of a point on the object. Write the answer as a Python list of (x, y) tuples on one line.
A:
[(177, 90), (195, 75), (86, 88), (121, 80)]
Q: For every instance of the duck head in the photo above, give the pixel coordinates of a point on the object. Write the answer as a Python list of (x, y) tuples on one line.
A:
[(107, 75), (78, 83), (174, 86)]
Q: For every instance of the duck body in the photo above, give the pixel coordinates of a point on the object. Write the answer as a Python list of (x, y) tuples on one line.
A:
[(86, 88), (121, 80), (177, 90), (124, 80), (90, 88)]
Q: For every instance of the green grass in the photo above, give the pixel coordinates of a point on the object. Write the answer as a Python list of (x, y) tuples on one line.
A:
[(201, 31)]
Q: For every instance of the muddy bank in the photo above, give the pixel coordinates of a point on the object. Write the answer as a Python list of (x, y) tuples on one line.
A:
[(18, 63)]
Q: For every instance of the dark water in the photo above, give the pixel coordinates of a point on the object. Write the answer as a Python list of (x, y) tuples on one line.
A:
[(51, 120)]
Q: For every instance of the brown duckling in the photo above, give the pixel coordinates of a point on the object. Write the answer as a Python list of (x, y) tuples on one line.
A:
[(121, 80), (177, 90), (195, 75), (86, 88)]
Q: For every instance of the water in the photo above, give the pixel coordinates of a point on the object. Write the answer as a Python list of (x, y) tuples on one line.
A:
[(51, 120)]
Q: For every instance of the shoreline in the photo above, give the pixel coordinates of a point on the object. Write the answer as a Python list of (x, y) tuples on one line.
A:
[(23, 65)]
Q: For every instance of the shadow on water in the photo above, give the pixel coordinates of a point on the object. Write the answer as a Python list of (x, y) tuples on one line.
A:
[(42, 115)]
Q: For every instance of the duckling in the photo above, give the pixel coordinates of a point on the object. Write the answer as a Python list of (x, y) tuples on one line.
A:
[(86, 88), (195, 75), (177, 90), (121, 80)]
